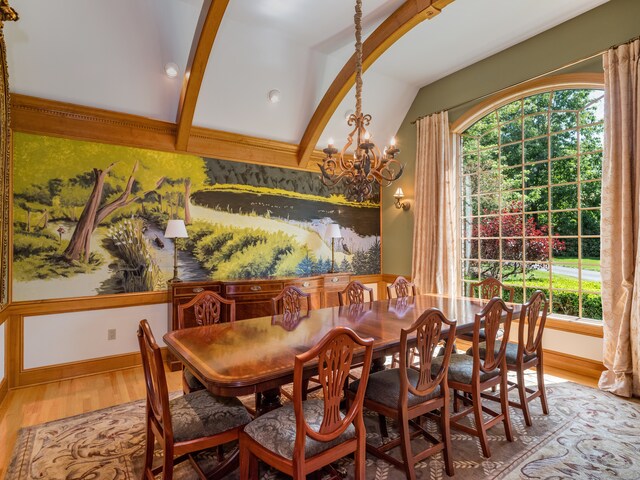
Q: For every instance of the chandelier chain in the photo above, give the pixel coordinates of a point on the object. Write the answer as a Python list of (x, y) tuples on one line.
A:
[(358, 23)]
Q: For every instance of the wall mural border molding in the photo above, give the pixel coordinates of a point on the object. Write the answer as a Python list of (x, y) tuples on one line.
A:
[(7, 14)]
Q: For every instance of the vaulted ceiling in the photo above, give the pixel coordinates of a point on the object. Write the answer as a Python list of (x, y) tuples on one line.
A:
[(111, 55)]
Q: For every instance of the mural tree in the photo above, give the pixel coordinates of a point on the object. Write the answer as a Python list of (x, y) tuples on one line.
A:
[(79, 246)]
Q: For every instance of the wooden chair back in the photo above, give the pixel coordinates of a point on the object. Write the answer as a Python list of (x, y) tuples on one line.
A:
[(335, 357), (533, 317), (402, 288), (291, 300), (206, 308), (491, 287), (492, 317), (354, 293), (155, 381), (428, 331)]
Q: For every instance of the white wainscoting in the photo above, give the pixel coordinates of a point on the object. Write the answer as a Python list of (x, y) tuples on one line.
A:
[(575, 344), (77, 336)]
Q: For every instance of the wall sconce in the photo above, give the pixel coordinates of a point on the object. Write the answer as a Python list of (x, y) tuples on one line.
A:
[(399, 195)]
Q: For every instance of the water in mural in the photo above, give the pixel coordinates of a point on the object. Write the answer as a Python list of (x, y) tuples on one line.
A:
[(89, 219)]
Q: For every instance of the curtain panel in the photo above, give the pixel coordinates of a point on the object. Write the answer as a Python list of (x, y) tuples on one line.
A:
[(620, 225), (435, 233)]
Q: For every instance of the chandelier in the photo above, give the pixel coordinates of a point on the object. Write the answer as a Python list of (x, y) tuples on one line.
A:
[(367, 166)]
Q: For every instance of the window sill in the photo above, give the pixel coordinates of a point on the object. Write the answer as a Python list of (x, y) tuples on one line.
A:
[(575, 325)]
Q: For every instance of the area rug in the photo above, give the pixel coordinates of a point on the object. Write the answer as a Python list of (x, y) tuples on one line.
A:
[(587, 435)]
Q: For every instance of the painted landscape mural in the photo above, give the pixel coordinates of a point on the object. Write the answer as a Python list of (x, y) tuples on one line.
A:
[(89, 220)]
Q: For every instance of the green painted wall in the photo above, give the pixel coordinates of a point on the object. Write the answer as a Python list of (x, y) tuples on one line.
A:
[(614, 22)]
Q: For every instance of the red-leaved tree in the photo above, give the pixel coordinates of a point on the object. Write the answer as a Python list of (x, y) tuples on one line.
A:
[(535, 247)]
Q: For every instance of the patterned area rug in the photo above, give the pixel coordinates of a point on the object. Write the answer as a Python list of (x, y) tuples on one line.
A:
[(587, 435)]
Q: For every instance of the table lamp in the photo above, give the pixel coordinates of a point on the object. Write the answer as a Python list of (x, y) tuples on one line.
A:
[(333, 231), (175, 229)]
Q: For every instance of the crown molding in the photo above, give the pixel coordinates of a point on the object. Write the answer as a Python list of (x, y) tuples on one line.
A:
[(59, 119)]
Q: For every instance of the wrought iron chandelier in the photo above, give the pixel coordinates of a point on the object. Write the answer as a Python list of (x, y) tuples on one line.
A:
[(367, 166)]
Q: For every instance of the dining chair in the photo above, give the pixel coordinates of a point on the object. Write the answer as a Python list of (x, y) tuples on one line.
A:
[(292, 303), (187, 424), (291, 300), (402, 288), (304, 436), (408, 392), (473, 374), (354, 293), (526, 354), (487, 289), (206, 308)]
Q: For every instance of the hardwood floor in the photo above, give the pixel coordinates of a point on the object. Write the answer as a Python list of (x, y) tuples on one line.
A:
[(43, 403)]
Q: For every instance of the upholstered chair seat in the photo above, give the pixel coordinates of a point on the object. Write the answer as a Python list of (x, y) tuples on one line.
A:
[(276, 430), (192, 382), (384, 388), (201, 414), (511, 352), (461, 369)]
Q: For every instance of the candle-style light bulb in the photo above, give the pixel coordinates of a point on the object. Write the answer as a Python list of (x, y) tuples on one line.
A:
[(330, 142), (367, 135), (393, 141)]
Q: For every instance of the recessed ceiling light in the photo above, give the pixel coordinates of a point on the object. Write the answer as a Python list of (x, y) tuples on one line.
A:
[(274, 96), (171, 69)]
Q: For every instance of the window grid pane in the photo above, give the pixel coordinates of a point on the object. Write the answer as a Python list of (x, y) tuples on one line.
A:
[(530, 199)]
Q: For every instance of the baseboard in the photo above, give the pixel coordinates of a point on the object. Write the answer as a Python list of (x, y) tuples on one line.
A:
[(4, 389), (573, 364), (66, 371)]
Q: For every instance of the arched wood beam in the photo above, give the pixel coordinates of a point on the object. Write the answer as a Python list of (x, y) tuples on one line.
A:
[(407, 16), (206, 31)]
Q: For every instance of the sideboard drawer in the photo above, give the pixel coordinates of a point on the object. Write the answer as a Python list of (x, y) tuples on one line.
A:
[(250, 288), (336, 280), (194, 289), (305, 283)]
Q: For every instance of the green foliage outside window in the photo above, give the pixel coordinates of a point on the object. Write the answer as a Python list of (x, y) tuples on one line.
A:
[(542, 153)]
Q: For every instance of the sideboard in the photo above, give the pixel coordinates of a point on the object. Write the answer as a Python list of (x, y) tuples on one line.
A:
[(253, 297)]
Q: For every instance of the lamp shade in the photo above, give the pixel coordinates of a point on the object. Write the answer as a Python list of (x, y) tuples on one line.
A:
[(176, 229), (333, 231), (399, 193)]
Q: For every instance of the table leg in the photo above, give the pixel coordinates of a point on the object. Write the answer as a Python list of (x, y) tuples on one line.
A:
[(377, 364), (270, 401)]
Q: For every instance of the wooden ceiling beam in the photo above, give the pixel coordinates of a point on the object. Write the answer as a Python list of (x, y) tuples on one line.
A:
[(205, 35), (407, 16)]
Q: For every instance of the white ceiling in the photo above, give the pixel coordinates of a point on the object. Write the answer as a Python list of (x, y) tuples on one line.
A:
[(111, 55)]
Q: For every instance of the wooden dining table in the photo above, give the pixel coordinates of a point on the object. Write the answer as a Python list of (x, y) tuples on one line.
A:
[(257, 355)]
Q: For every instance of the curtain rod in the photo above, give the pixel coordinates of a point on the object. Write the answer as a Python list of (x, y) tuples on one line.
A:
[(486, 95)]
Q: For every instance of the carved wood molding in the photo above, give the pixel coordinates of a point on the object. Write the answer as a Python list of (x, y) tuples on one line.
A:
[(60, 119), (205, 34), (7, 13), (50, 117), (407, 16)]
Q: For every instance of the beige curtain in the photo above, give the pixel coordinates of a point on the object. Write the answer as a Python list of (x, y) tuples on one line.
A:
[(620, 229), (435, 241)]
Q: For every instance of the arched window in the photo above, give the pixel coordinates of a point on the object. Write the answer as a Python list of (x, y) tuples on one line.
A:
[(530, 180)]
